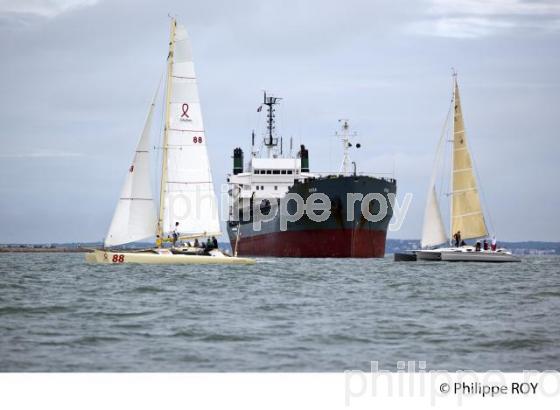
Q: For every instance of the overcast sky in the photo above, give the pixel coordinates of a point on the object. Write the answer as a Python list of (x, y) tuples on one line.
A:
[(76, 78)]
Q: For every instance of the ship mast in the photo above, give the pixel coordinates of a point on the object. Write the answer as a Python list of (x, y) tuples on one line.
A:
[(345, 135), (270, 141), (163, 181)]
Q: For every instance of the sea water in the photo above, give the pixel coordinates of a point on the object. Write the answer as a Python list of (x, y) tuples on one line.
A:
[(58, 313)]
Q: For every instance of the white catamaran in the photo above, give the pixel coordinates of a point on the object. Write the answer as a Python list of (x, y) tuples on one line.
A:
[(466, 214), (187, 202)]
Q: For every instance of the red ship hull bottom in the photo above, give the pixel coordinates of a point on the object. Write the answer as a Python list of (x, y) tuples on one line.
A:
[(320, 243)]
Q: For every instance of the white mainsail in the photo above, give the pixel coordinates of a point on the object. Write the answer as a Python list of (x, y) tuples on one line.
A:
[(187, 192), (466, 211), (135, 215)]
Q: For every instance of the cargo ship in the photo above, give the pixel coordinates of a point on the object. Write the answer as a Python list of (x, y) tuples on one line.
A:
[(265, 215)]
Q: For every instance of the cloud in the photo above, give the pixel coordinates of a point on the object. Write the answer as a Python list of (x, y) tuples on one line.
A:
[(41, 8), (495, 7), (460, 27), (481, 18), (42, 154)]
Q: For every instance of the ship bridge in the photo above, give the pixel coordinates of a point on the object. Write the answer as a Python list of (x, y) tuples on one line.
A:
[(268, 178)]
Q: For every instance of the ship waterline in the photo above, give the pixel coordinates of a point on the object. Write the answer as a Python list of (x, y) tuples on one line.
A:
[(316, 243)]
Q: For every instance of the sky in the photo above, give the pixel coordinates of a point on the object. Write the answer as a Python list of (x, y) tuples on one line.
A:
[(77, 76)]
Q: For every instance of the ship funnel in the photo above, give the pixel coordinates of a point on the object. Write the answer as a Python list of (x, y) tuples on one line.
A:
[(304, 155), (237, 161)]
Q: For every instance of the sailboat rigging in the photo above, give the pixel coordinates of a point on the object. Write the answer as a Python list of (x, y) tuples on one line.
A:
[(187, 200), (466, 214)]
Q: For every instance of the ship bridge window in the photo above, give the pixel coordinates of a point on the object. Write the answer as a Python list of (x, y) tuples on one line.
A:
[(276, 172), (283, 172), (289, 172), (268, 171)]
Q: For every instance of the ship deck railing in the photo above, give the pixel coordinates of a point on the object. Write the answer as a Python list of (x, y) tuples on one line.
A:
[(386, 176)]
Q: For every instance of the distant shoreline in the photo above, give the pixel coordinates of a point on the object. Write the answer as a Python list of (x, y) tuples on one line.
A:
[(392, 246), (45, 250)]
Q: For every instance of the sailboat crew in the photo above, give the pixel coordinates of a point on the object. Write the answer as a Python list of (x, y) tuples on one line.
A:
[(457, 238), (175, 234)]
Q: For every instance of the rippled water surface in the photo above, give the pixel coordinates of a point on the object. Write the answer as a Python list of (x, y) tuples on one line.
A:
[(58, 313)]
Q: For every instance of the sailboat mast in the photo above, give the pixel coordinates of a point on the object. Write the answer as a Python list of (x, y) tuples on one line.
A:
[(452, 158), (166, 129)]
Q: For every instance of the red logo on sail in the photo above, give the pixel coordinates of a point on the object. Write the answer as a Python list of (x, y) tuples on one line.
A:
[(184, 114)]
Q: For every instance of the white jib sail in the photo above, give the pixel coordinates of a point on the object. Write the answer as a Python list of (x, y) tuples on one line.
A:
[(433, 229), (135, 216), (189, 196)]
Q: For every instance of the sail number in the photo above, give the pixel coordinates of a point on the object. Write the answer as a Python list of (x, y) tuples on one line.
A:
[(197, 140), (118, 258)]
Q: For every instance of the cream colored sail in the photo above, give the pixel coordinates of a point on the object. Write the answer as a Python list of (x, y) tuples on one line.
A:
[(187, 192), (466, 211), (135, 215)]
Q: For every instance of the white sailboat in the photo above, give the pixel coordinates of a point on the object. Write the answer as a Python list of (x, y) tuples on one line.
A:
[(466, 214), (187, 202)]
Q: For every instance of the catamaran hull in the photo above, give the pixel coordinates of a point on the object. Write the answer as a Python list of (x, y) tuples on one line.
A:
[(117, 258), (465, 255), (496, 257), (428, 255)]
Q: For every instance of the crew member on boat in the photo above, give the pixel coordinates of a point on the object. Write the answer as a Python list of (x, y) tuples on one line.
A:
[(457, 238), (175, 234)]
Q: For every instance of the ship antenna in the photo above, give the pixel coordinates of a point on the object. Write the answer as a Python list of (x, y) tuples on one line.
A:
[(291, 145), (270, 141), (345, 135)]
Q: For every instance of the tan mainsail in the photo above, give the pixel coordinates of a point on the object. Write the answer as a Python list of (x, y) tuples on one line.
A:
[(466, 211)]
